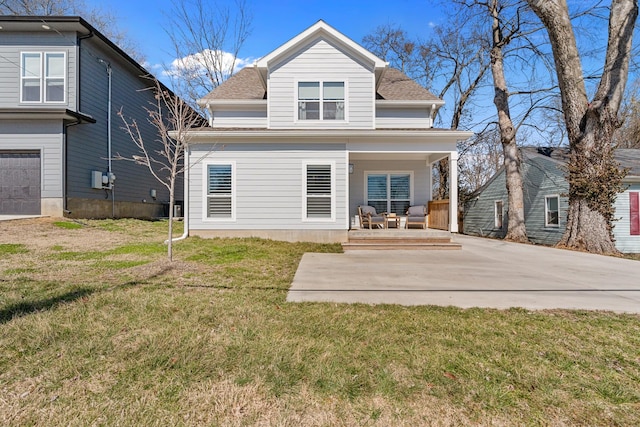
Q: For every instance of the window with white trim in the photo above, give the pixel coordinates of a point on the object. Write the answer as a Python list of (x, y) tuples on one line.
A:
[(498, 214), (319, 191), (43, 80), (321, 101), (552, 211), (219, 197), (389, 192)]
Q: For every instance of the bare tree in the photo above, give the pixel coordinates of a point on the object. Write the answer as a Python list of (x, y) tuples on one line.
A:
[(463, 58), (164, 156), (594, 177), (628, 135), (103, 19), (207, 38), (457, 59)]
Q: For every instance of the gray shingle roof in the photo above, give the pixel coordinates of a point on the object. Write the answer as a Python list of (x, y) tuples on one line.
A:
[(246, 85), (243, 85), (629, 158), (397, 86)]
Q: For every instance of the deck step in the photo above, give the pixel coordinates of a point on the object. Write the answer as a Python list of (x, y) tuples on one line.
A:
[(400, 246), (398, 241)]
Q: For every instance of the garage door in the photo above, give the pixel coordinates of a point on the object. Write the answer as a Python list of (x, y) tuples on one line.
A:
[(20, 183)]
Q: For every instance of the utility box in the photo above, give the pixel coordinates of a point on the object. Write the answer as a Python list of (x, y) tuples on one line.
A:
[(96, 180)]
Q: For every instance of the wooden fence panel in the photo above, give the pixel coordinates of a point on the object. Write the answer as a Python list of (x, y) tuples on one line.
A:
[(439, 214)]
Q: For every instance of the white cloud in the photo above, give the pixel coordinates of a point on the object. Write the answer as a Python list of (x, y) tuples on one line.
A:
[(198, 64), (432, 24)]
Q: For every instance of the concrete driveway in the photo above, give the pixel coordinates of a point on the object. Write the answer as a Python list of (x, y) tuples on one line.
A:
[(485, 273)]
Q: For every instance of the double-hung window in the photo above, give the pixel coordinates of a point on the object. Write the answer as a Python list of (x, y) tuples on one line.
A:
[(219, 191), (389, 192), (551, 211), (321, 101), (319, 191), (43, 77), (498, 214)]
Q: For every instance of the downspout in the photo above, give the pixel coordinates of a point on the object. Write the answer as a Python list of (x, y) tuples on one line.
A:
[(185, 207), (109, 171)]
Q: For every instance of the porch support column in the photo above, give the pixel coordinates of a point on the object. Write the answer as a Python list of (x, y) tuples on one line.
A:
[(453, 192)]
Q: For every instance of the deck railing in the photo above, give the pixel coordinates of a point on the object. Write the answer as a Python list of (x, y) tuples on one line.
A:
[(439, 214)]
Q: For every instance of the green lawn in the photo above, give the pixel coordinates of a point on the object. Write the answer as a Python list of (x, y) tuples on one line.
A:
[(98, 329)]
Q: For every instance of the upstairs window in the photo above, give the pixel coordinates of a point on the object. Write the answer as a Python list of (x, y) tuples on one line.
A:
[(42, 77), (321, 101)]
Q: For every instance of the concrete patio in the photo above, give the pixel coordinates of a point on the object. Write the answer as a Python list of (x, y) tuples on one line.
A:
[(484, 273)]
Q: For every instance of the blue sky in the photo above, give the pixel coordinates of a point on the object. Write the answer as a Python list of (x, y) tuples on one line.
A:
[(275, 22)]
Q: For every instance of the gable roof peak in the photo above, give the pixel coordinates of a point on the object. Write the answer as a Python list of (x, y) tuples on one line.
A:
[(319, 29)]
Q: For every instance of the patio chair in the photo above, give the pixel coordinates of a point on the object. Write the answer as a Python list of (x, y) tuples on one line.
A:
[(416, 215), (370, 218)]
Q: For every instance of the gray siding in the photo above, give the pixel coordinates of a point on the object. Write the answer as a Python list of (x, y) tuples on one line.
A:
[(399, 118), (11, 44), (321, 61), (240, 119), (625, 242), (269, 185), (87, 143), (357, 195), (542, 177), (42, 135)]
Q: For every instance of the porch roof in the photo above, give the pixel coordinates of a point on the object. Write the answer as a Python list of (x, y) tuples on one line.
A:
[(206, 134)]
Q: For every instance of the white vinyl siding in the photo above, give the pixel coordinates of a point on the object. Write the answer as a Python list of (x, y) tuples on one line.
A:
[(625, 242), (389, 192), (269, 185), (321, 61), (240, 118), (403, 118), (551, 211), (43, 77), (219, 185), (318, 192)]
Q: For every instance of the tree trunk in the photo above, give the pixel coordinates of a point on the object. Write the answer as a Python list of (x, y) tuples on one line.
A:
[(171, 203), (443, 179), (516, 230), (594, 177)]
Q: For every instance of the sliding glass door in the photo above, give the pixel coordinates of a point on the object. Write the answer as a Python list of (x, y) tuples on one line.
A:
[(389, 192)]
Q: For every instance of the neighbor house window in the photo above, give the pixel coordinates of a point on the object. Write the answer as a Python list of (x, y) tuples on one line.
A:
[(318, 191), (551, 211), (498, 214), (219, 191), (389, 192), (321, 101), (42, 77)]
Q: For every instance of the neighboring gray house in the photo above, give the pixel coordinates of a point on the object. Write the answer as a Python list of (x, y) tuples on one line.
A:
[(546, 203), (62, 83), (315, 128)]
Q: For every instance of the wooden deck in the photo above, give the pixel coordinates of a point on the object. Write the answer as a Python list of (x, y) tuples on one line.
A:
[(400, 239)]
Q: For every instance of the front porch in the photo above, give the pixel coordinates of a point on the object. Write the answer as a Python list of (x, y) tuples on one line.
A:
[(393, 177)]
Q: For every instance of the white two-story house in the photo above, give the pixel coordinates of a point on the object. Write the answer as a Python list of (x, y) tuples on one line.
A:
[(314, 129)]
